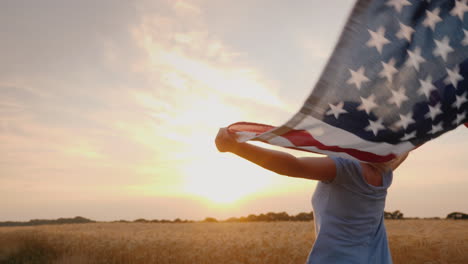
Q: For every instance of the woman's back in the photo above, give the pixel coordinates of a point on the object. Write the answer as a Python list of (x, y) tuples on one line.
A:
[(349, 218)]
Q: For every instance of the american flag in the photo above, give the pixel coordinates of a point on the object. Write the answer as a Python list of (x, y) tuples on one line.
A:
[(396, 79)]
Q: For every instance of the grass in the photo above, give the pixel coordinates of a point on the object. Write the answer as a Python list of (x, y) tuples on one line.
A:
[(411, 241)]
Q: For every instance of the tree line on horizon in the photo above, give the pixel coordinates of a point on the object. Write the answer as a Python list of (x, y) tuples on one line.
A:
[(267, 217), (34, 222)]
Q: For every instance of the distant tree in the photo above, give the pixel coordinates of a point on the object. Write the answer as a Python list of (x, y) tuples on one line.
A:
[(387, 215), (210, 220), (263, 218), (80, 219), (141, 220), (397, 215), (457, 216), (393, 215), (304, 217), (271, 216), (178, 221), (251, 218), (283, 216)]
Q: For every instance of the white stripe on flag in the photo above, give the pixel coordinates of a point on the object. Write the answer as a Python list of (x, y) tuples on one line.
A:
[(334, 136)]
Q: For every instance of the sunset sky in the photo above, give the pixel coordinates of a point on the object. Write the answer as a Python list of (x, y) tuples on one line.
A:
[(109, 109)]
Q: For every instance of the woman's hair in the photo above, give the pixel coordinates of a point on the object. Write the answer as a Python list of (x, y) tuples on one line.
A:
[(389, 165)]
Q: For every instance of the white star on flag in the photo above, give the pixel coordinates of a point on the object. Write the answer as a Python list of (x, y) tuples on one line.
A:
[(405, 120), (388, 70), (336, 110), (415, 58), (367, 104), (357, 77), (434, 111), (377, 39), (398, 4), (426, 87), (398, 97), (465, 40), (432, 18), (409, 136), (443, 48), (460, 100), (453, 76), (459, 119), (405, 32), (436, 128), (375, 126), (459, 9)]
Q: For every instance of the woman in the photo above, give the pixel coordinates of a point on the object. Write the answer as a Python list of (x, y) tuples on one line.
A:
[(348, 202)]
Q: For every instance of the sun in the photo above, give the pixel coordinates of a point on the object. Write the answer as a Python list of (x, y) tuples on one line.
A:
[(223, 178)]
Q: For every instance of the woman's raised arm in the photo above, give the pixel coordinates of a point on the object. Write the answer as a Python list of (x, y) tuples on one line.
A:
[(277, 161)]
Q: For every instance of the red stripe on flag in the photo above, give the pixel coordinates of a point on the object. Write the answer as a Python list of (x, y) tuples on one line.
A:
[(301, 138), (249, 127)]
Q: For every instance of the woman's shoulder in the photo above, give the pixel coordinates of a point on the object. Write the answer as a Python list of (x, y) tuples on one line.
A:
[(350, 171), (372, 175), (346, 170), (347, 166)]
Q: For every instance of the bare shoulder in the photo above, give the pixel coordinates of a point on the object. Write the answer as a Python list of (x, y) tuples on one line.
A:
[(316, 168)]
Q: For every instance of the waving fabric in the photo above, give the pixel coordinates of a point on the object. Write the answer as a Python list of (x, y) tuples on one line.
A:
[(396, 79)]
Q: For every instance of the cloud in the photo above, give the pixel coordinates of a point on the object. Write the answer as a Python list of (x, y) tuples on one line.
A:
[(194, 59), (116, 98), (185, 7)]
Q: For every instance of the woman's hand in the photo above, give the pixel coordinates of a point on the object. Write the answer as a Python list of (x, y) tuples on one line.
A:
[(225, 141)]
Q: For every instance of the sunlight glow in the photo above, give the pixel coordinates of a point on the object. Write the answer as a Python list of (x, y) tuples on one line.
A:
[(203, 94), (223, 178)]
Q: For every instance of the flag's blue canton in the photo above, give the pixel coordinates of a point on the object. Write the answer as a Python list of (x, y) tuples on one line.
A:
[(398, 73)]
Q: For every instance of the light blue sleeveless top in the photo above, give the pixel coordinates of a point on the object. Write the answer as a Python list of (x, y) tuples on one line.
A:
[(349, 218)]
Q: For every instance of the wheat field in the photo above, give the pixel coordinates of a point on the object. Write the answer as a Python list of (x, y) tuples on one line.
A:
[(411, 241)]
